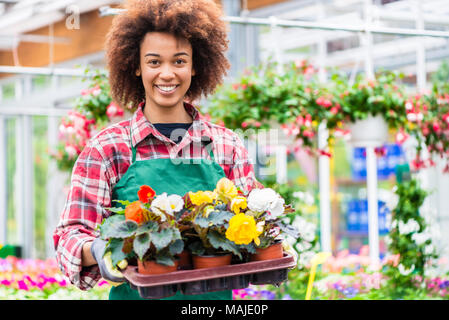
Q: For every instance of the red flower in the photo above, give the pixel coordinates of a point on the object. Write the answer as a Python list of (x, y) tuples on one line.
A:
[(146, 193)]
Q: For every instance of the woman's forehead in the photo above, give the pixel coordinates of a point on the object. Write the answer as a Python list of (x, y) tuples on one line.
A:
[(164, 43)]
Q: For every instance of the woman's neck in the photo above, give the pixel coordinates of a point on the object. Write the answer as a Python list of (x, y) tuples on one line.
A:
[(177, 114)]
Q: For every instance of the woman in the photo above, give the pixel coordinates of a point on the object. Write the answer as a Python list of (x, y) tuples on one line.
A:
[(160, 55)]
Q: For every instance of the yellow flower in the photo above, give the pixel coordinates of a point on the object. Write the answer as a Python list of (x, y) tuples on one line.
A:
[(242, 230), (238, 203), (200, 197), (226, 189)]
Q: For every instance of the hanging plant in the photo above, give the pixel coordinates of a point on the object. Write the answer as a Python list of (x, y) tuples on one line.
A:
[(93, 111)]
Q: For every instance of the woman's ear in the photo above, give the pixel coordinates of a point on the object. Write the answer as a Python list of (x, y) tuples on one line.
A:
[(138, 73), (193, 72)]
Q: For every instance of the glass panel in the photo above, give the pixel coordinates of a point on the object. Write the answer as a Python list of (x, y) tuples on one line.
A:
[(11, 236), (40, 160)]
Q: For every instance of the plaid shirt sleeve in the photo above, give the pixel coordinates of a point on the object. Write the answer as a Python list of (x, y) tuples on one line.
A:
[(241, 171), (83, 211)]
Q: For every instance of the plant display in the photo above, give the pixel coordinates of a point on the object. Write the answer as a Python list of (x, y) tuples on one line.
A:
[(159, 227), (290, 98), (146, 229)]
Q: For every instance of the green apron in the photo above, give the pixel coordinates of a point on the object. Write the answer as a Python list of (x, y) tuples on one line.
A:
[(173, 176)]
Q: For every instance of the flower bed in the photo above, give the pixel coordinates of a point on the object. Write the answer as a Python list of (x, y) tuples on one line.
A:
[(348, 277), (29, 279)]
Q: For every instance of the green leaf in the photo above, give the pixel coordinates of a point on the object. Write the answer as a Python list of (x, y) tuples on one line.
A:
[(251, 248), (115, 246), (162, 239), (219, 241), (288, 229), (176, 247), (122, 202), (141, 244), (116, 210), (197, 248), (107, 224), (215, 218), (148, 226), (165, 259), (119, 229)]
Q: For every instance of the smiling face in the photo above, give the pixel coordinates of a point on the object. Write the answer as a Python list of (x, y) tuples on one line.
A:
[(166, 68)]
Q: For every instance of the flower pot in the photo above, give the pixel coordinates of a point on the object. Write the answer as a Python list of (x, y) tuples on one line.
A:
[(152, 267), (185, 260), (202, 262), (369, 132), (274, 251)]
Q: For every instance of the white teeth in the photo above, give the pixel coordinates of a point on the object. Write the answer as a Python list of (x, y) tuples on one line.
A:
[(166, 89)]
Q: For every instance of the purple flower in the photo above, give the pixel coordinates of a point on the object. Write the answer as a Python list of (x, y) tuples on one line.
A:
[(350, 292), (250, 292), (338, 286), (268, 294), (287, 297)]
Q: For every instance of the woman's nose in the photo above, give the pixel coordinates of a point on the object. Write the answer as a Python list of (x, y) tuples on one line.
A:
[(166, 72)]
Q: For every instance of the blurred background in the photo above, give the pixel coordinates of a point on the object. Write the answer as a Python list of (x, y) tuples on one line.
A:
[(45, 46)]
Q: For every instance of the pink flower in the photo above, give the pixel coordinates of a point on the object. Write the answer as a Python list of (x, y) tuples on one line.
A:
[(244, 124), (401, 137), (22, 285), (114, 110), (71, 151)]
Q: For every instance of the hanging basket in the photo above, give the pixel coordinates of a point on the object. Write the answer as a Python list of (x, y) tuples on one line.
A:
[(369, 132)]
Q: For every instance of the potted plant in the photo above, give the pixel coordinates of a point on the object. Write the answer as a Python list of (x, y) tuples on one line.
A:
[(369, 107), (145, 230), (208, 217), (257, 221)]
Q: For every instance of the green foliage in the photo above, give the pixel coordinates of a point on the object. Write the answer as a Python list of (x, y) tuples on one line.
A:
[(409, 238), (149, 240)]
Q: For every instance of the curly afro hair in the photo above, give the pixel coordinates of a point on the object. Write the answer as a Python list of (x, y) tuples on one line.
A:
[(198, 21)]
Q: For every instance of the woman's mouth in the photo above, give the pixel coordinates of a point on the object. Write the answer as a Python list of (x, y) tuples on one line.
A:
[(167, 89)]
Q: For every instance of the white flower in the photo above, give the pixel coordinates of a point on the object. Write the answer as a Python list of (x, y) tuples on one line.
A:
[(392, 201), (306, 229), (305, 258), (404, 271), (266, 199), (409, 227), (387, 240), (420, 238), (429, 249), (164, 204), (303, 246), (176, 203)]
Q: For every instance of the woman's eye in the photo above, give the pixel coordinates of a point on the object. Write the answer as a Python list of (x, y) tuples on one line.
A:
[(153, 62), (179, 61)]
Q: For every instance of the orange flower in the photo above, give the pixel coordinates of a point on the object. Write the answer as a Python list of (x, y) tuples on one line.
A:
[(145, 193), (134, 212)]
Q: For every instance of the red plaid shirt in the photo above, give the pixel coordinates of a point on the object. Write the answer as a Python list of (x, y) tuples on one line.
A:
[(106, 159)]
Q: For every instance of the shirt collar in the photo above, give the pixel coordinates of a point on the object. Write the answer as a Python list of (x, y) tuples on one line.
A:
[(142, 128)]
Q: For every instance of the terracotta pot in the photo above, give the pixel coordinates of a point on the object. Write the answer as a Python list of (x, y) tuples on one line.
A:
[(202, 262), (274, 251), (185, 260), (152, 267)]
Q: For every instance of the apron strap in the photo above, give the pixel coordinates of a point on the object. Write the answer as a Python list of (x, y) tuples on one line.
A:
[(134, 150)]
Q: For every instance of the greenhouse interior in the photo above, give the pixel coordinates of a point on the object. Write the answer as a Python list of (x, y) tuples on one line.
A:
[(342, 105)]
